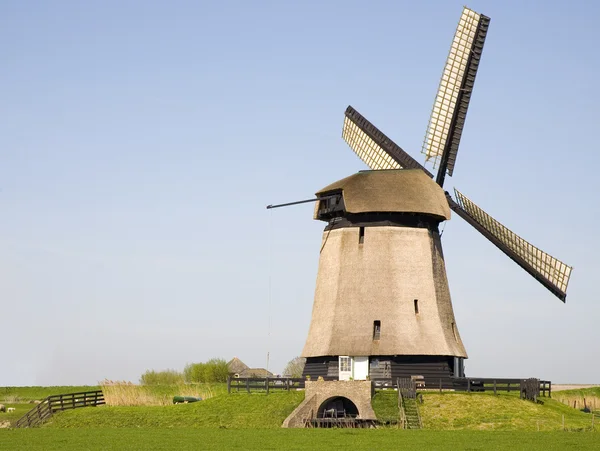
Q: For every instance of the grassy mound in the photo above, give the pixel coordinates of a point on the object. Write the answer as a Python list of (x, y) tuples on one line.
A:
[(385, 405), (445, 411), (485, 411), (226, 411), (580, 398)]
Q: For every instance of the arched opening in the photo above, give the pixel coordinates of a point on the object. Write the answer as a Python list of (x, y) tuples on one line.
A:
[(338, 407)]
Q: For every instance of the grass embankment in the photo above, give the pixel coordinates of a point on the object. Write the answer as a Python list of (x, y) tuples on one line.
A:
[(385, 405), (445, 411), (226, 411), (580, 398), (115, 393), (486, 411), (292, 439)]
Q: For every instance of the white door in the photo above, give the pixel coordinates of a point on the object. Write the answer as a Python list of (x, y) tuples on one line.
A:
[(361, 368), (345, 368)]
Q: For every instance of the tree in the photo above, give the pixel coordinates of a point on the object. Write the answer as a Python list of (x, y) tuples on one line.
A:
[(295, 367), (166, 377), (215, 370)]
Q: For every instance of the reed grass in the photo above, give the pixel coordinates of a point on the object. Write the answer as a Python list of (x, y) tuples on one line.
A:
[(580, 399), (123, 393)]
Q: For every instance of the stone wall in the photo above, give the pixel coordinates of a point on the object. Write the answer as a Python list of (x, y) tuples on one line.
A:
[(318, 392)]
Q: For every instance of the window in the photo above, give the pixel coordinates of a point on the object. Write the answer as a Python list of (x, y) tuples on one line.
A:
[(416, 306), (361, 235), (376, 330), (345, 364)]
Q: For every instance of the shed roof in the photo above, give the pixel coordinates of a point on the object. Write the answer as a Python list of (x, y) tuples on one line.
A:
[(255, 372)]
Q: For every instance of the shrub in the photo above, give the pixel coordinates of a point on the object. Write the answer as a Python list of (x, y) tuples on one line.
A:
[(166, 377), (215, 370)]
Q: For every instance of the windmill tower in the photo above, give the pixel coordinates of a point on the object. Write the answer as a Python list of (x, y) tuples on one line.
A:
[(382, 305)]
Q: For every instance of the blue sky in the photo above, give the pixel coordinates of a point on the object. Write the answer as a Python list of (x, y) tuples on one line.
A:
[(141, 141)]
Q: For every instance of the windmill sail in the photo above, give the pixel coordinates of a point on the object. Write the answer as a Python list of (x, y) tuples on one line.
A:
[(549, 271), (454, 93), (373, 147)]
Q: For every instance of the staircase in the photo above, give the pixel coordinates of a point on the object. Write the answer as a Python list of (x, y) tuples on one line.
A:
[(410, 418)]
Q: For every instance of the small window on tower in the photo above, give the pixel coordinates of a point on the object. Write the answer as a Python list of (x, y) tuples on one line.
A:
[(361, 235), (416, 306), (376, 330)]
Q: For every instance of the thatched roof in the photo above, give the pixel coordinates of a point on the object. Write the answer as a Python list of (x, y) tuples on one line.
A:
[(401, 190), (236, 366), (255, 372)]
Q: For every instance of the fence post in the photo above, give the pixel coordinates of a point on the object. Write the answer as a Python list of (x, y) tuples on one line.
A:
[(550, 389), (267, 384), (495, 387), (229, 384), (248, 385), (468, 385), (440, 385)]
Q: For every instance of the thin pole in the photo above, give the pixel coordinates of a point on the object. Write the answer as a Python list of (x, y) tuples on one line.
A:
[(270, 271), (269, 207)]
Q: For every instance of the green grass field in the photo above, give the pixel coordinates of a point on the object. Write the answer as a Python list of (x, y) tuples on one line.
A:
[(26, 394), (252, 421), (288, 439)]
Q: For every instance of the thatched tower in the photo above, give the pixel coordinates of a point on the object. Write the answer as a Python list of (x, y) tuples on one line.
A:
[(382, 305)]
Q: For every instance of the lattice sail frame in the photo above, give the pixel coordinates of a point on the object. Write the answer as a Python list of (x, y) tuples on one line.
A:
[(553, 270), (373, 146), (367, 150), (455, 89)]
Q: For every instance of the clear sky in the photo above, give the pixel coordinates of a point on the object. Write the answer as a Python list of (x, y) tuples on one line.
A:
[(140, 142)]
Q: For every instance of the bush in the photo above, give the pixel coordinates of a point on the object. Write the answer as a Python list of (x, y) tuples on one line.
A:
[(166, 377), (215, 370)]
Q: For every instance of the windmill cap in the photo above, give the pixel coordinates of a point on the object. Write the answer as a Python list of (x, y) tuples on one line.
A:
[(391, 191)]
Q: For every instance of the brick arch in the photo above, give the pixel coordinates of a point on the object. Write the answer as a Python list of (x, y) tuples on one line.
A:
[(319, 392), (337, 407)]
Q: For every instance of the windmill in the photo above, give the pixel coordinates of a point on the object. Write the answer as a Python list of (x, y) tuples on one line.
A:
[(382, 305)]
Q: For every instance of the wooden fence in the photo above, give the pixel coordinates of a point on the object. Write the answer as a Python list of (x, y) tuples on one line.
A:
[(263, 384), (266, 384), (57, 403), (470, 384)]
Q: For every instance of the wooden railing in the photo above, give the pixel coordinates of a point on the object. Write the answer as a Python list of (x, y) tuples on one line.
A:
[(57, 403), (266, 384), (402, 414), (468, 384), (471, 384)]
